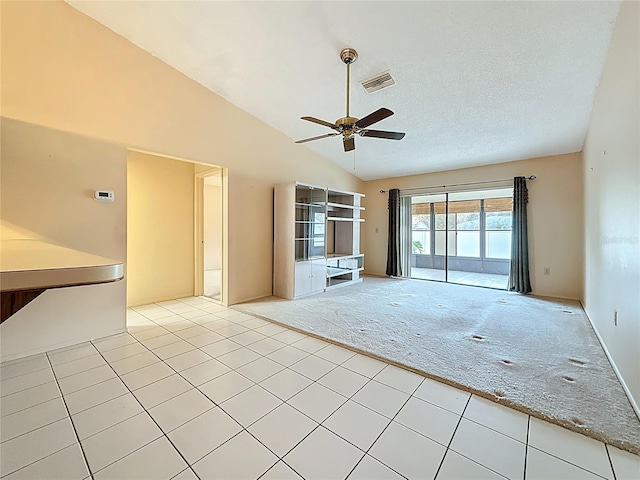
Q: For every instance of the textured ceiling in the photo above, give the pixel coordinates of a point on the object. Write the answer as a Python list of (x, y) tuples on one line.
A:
[(477, 82)]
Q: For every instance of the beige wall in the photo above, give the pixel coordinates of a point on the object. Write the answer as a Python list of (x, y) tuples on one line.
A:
[(554, 217), (612, 201), (212, 227), (63, 70), (160, 229), (48, 181)]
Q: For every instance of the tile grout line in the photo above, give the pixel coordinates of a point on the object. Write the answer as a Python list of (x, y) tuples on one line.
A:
[(484, 426), (452, 437), (2, 378), (526, 448), (25, 388), (100, 403), (569, 462), (73, 425), (606, 447), (37, 428), (154, 421), (35, 405), (59, 389), (493, 429), (42, 426)]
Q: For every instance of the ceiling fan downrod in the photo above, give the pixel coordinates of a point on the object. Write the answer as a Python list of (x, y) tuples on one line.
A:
[(348, 56)]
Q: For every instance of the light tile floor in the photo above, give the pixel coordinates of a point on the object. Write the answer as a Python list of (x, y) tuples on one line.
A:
[(196, 390), (212, 280)]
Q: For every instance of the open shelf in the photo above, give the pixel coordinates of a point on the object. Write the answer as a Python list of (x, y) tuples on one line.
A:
[(343, 219), (352, 262), (342, 205), (342, 280)]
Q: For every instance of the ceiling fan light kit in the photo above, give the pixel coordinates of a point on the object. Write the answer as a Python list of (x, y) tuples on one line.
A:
[(349, 126)]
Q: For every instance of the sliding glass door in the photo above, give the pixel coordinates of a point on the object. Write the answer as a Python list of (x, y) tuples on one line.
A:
[(459, 237), (427, 248)]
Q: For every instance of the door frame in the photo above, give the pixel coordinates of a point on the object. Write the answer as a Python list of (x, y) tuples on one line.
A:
[(201, 172)]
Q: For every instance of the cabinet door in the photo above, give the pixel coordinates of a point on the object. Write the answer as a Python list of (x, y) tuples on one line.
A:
[(303, 278), (318, 275)]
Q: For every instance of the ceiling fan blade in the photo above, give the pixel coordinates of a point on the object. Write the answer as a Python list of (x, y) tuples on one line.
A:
[(317, 138), (349, 144), (374, 117), (382, 134), (318, 121)]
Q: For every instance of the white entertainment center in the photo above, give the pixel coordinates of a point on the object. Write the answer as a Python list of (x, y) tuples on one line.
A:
[(316, 239)]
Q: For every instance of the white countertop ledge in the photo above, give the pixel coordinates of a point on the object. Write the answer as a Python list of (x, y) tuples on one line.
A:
[(28, 264)]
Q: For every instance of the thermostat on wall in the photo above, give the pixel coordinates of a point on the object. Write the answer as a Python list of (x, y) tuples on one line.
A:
[(104, 195)]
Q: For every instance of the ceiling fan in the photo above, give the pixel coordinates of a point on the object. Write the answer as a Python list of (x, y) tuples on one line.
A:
[(349, 126)]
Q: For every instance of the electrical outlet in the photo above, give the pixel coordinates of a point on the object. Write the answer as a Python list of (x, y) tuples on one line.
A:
[(615, 318), (547, 271)]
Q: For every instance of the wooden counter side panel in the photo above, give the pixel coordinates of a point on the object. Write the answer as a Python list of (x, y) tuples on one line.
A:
[(11, 302)]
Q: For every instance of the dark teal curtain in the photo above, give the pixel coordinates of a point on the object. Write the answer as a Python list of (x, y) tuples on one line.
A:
[(393, 249), (519, 269)]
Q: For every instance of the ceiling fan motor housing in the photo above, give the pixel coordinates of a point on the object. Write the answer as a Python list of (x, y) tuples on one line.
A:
[(346, 125)]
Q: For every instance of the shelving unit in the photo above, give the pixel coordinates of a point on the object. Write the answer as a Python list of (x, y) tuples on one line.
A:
[(317, 239)]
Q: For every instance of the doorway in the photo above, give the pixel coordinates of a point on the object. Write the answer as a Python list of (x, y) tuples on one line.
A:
[(209, 198), (165, 228), (461, 237)]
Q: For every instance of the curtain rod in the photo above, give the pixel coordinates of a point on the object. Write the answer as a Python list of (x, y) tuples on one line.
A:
[(530, 177)]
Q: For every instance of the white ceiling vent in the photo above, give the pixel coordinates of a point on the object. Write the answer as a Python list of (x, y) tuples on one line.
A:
[(380, 81)]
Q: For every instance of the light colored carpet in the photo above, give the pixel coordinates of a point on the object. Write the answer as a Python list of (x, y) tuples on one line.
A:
[(539, 356)]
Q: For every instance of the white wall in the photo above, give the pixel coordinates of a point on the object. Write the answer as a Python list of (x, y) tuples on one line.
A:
[(612, 201), (48, 180), (554, 214)]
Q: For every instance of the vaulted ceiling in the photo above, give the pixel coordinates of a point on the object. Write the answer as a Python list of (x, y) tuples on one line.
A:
[(477, 82)]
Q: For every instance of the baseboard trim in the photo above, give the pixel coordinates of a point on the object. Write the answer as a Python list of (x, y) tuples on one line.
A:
[(632, 400), (368, 274), (251, 299)]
